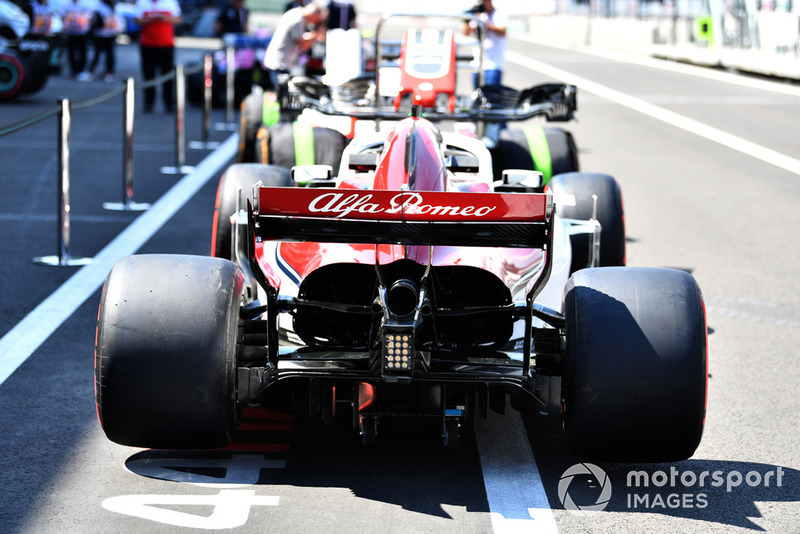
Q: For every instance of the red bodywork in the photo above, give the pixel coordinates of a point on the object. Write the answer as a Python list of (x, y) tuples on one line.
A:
[(427, 68), (410, 183)]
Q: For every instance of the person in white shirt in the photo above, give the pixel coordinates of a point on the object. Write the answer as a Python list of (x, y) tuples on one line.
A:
[(77, 18), (297, 30), (494, 43), (43, 15)]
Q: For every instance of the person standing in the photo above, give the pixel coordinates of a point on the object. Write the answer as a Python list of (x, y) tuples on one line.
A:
[(341, 14), (232, 19), (297, 30), (494, 42), (42, 15), (77, 17), (157, 19), (104, 37)]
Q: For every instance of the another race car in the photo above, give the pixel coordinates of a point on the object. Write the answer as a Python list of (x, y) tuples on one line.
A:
[(276, 128), (24, 56), (413, 282)]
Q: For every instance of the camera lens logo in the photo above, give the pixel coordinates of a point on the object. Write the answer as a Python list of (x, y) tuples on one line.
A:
[(581, 470)]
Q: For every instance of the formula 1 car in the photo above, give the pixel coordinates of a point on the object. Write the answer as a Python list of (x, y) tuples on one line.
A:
[(275, 126), (24, 56), (411, 283)]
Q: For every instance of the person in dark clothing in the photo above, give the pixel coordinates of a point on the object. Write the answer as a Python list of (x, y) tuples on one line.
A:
[(104, 36), (293, 4), (232, 19), (341, 14)]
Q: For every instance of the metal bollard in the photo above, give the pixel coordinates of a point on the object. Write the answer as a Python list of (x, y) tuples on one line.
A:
[(230, 60), (208, 93), (208, 84), (230, 72), (64, 132), (127, 203), (180, 116), (180, 126)]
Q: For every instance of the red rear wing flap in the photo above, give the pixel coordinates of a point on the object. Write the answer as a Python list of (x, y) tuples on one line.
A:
[(403, 217)]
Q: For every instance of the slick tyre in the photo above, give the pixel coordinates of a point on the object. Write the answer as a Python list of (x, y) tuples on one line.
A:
[(165, 361), (35, 83), (250, 120), (13, 74), (610, 214), (288, 144), (550, 151), (636, 364), (236, 185), (37, 69)]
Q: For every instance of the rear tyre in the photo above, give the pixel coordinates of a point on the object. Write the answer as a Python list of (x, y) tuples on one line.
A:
[(280, 146), (610, 214), (635, 380), (251, 118), (554, 151), (165, 361), (13, 74), (35, 83), (37, 67), (237, 185)]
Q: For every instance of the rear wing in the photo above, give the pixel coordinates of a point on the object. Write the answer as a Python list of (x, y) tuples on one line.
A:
[(402, 217)]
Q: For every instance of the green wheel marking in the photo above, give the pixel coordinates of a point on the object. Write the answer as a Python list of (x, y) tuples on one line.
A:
[(540, 151), (270, 112), (8, 80), (303, 144), (704, 29)]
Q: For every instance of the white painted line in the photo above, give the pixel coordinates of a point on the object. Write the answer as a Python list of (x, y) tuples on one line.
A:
[(674, 66), (517, 500), (21, 342), (716, 135), (231, 508)]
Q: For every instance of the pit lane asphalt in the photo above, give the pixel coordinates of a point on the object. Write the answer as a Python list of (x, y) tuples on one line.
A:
[(692, 204), (29, 162)]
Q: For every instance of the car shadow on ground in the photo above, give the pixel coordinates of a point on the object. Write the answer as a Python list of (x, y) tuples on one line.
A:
[(408, 467), (716, 491)]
